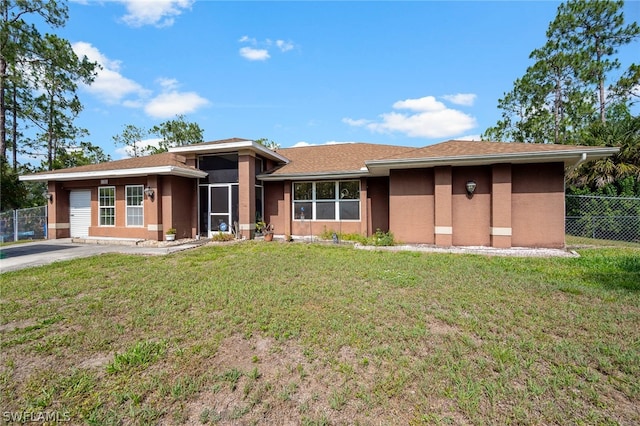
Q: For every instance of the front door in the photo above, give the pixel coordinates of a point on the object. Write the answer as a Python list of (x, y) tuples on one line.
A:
[(222, 208)]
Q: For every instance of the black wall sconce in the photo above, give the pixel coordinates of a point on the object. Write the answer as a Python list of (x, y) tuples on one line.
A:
[(48, 196), (148, 191), (471, 187)]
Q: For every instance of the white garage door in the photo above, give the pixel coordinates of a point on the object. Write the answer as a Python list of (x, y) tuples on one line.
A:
[(80, 213)]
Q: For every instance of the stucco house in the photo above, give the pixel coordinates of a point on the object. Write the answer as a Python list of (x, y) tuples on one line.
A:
[(461, 193)]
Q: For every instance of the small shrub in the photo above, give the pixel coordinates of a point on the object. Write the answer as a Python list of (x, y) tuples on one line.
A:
[(222, 236), (381, 239)]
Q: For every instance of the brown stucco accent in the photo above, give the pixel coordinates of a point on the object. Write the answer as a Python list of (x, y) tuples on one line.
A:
[(275, 206), (471, 215), (247, 193), (443, 205), (58, 212), (377, 204), (538, 205), (411, 205), (501, 213)]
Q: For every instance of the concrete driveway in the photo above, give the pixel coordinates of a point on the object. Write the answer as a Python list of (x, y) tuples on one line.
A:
[(37, 253)]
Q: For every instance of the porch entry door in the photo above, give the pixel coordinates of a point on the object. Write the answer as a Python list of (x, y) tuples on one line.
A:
[(79, 213), (223, 207)]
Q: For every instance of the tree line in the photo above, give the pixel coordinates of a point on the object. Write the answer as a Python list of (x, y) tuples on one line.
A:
[(565, 98), (575, 92)]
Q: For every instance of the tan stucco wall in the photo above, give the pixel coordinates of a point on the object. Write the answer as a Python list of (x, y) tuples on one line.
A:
[(538, 205), (411, 205)]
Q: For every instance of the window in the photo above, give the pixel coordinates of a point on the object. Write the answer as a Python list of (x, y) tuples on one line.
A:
[(326, 200), (107, 205), (135, 202)]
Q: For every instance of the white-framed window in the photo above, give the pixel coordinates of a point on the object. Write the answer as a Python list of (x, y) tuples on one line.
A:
[(326, 200), (135, 201), (107, 205)]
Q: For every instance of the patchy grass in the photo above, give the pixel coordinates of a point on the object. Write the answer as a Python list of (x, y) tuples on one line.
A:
[(324, 334)]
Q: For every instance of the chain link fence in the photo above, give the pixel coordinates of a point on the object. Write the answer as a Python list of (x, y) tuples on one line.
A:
[(23, 224), (605, 218)]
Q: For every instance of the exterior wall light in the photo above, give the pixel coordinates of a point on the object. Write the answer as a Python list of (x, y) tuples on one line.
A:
[(48, 196), (148, 191), (471, 187)]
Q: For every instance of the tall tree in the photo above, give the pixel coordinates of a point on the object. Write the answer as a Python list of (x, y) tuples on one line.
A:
[(83, 154), (177, 132), (18, 40), (564, 90), (591, 32), (56, 72), (131, 138)]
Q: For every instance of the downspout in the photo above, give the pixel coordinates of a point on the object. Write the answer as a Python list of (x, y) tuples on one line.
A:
[(583, 158)]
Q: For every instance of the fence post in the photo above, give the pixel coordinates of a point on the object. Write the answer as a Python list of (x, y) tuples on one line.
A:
[(15, 225)]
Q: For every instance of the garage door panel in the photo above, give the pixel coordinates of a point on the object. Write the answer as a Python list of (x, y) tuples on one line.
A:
[(80, 213)]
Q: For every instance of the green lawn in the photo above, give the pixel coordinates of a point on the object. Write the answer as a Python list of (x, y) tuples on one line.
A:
[(258, 333)]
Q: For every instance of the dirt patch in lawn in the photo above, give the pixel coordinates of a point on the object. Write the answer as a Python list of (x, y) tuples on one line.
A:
[(281, 384)]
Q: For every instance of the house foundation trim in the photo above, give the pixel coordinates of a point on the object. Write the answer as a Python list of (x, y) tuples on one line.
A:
[(444, 230), (59, 226), (503, 232), (247, 226), (155, 227)]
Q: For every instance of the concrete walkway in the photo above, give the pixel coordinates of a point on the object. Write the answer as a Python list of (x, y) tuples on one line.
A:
[(37, 253)]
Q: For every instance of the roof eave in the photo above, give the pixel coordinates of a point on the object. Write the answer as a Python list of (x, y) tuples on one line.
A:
[(568, 157), (230, 146), (350, 174), (118, 173)]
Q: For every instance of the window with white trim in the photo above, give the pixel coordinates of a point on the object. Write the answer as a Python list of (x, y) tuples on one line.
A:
[(135, 202), (326, 200), (107, 205)]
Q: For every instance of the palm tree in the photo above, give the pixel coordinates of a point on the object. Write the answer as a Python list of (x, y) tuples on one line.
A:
[(625, 134)]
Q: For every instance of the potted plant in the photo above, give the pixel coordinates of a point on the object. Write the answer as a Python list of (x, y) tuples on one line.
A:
[(265, 229), (171, 234)]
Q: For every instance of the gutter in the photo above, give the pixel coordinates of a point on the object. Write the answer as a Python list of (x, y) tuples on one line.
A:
[(312, 176), (116, 173)]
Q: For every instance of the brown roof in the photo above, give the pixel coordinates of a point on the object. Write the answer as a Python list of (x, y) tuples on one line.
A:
[(457, 148), (166, 159), (336, 158)]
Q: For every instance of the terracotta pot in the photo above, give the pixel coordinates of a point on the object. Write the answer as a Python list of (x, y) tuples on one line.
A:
[(268, 236)]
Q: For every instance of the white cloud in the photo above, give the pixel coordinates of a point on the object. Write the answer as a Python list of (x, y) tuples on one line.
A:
[(254, 54), (429, 119), (167, 83), (284, 46), (160, 13), (113, 88), (247, 39), (109, 85), (356, 123), (260, 50), (466, 99), (172, 103)]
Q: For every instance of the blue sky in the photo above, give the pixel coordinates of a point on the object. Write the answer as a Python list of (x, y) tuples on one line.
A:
[(303, 72)]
